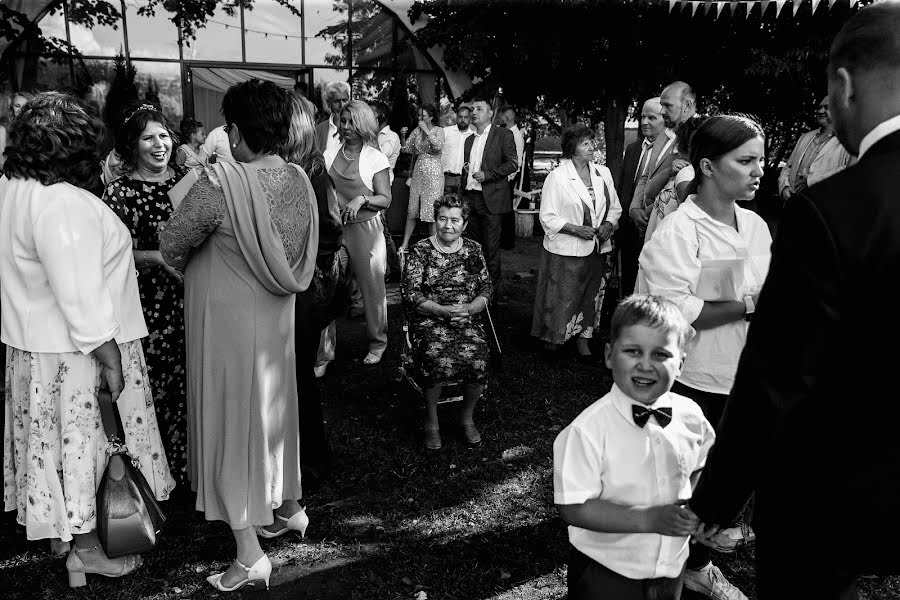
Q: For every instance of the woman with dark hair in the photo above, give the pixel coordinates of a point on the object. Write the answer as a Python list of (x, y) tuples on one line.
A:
[(72, 325), (710, 257), (140, 198), (246, 235), (427, 180), (360, 173), (191, 152), (318, 305), (446, 282), (579, 213)]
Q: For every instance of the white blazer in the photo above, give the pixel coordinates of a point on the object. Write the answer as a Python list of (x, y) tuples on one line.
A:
[(67, 277), (561, 203)]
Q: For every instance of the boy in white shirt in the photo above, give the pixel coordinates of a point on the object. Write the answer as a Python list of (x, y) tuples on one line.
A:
[(625, 467)]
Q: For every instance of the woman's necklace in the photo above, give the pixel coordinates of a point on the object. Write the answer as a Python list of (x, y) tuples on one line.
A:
[(136, 174), (446, 250), (347, 157)]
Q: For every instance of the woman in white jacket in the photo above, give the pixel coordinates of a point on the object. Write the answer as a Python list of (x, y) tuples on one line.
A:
[(579, 213)]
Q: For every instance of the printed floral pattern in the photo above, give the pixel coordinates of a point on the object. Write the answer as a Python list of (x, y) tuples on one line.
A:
[(144, 207), (55, 444), (427, 183), (446, 352)]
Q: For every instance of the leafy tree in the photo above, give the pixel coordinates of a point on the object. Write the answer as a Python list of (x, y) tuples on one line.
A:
[(123, 93)]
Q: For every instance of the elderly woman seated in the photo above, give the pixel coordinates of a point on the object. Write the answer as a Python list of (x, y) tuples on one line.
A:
[(447, 281)]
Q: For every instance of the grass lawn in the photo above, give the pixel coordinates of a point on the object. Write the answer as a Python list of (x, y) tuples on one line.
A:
[(394, 522)]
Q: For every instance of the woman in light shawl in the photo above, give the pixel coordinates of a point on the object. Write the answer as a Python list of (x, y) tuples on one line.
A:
[(246, 235)]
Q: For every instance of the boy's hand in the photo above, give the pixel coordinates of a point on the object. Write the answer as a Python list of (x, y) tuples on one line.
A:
[(672, 519)]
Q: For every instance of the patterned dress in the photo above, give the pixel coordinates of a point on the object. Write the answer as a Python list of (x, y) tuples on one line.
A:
[(428, 173), (143, 206), (446, 352)]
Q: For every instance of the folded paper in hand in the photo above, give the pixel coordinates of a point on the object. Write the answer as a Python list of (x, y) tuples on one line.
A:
[(721, 279)]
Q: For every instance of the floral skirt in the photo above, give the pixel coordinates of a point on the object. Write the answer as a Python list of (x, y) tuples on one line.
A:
[(569, 296), (54, 443)]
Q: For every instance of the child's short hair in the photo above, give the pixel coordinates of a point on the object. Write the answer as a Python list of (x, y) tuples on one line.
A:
[(654, 311)]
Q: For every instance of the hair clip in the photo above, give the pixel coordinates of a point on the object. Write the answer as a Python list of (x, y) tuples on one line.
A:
[(138, 109)]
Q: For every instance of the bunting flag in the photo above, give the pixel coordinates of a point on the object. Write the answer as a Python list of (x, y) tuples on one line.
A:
[(718, 9)]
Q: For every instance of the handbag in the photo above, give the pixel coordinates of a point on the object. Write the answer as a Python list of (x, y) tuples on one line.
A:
[(128, 516)]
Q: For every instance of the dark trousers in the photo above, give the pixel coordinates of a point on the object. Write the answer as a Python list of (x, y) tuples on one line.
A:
[(315, 453), (589, 580), (784, 571), (713, 405), (630, 250), (484, 227)]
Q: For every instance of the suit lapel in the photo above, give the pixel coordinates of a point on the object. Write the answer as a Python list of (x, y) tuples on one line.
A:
[(578, 185)]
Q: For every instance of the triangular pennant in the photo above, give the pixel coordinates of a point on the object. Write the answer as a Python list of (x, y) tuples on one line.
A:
[(734, 7), (721, 12), (853, 3), (831, 3), (694, 5), (797, 4), (763, 9), (815, 5), (779, 6), (706, 6), (672, 4)]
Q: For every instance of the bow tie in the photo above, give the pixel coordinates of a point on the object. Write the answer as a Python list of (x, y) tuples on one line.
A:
[(641, 414)]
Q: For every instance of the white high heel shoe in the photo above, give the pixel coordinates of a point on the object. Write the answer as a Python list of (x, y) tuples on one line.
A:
[(298, 522), (260, 571)]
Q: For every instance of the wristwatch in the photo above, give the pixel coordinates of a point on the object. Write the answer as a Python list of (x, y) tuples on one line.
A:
[(749, 306)]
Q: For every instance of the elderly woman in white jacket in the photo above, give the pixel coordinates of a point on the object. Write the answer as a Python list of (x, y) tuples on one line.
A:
[(579, 213)]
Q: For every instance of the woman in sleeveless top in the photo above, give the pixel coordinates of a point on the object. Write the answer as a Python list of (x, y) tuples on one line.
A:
[(191, 153), (360, 174)]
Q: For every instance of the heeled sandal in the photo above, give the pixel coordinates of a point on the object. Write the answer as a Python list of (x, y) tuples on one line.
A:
[(371, 359), (298, 522), (261, 570), (78, 570)]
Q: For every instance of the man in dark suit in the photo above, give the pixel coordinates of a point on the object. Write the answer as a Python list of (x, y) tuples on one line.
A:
[(489, 157), (637, 155), (811, 425)]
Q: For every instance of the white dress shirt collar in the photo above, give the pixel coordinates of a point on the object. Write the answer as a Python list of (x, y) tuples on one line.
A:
[(882, 130), (623, 403)]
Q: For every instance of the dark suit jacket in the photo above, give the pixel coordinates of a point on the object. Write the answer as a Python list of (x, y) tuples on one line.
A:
[(498, 161), (628, 175), (322, 134), (812, 421)]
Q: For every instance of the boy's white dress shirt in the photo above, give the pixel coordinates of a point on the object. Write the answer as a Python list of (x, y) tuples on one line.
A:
[(671, 261), (604, 454)]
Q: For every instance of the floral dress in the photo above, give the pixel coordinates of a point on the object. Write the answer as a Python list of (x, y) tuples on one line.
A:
[(446, 352), (144, 206), (428, 173)]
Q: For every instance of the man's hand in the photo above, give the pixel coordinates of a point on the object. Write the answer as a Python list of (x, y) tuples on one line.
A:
[(639, 217), (786, 193), (672, 519), (704, 534), (478, 176), (678, 164)]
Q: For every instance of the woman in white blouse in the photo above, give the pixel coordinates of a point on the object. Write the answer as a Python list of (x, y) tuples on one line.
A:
[(72, 323), (710, 257), (579, 212), (360, 173)]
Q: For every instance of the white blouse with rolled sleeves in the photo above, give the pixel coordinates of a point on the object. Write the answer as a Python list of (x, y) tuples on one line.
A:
[(67, 277), (563, 199), (671, 261)]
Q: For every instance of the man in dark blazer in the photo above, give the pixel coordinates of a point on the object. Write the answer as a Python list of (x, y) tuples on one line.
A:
[(636, 155), (489, 157), (811, 425)]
